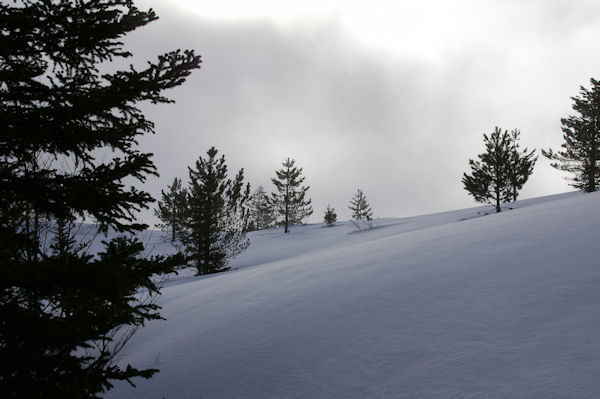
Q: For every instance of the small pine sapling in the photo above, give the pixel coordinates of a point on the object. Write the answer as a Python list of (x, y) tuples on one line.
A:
[(330, 216), (362, 215)]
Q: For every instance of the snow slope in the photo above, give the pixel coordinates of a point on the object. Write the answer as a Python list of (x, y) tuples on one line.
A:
[(449, 305)]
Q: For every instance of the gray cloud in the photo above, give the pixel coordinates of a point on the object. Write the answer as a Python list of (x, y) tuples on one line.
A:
[(402, 128)]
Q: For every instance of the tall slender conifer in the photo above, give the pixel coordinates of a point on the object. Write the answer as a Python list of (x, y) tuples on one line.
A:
[(290, 199)]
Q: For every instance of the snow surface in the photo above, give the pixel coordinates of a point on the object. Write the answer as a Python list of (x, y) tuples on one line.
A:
[(450, 305)]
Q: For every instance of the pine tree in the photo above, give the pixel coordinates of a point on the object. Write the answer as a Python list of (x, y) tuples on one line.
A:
[(60, 308), (260, 211), (330, 216), (171, 207), (215, 219), (361, 210), (290, 199), (500, 171), (581, 149), (522, 163)]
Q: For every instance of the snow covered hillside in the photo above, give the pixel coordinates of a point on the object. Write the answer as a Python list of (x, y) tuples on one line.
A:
[(449, 305)]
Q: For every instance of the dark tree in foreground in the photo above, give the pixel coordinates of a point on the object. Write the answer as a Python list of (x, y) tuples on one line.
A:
[(290, 198), (215, 218), (170, 208), (500, 171), (67, 148), (581, 150), (260, 211), (361, 210), (330, 216)]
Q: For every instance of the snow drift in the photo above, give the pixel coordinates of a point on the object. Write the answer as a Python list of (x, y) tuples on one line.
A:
[(449, 305)]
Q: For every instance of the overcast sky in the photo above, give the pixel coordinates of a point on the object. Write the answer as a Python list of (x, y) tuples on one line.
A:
[(392, 97)]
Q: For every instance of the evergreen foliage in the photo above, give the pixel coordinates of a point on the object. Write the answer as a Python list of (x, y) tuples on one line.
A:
[(290, 199), (260, 211), (581, 148), (361, 210), (68, 143), (522, 163), (171, 207), (500, 171), (330, 216), (215, 218)]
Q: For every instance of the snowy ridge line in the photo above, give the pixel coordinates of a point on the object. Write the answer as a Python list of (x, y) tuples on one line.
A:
[(300, 242)]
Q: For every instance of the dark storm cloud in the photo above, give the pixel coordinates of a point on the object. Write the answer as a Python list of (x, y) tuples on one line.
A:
[(401, 128)]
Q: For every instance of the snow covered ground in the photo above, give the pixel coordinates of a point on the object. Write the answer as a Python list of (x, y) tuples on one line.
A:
[(450, 305)]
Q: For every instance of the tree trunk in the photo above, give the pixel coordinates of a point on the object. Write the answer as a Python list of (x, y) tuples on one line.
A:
[(498, 209), (591, 185), (286, 218), (287, 209)]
